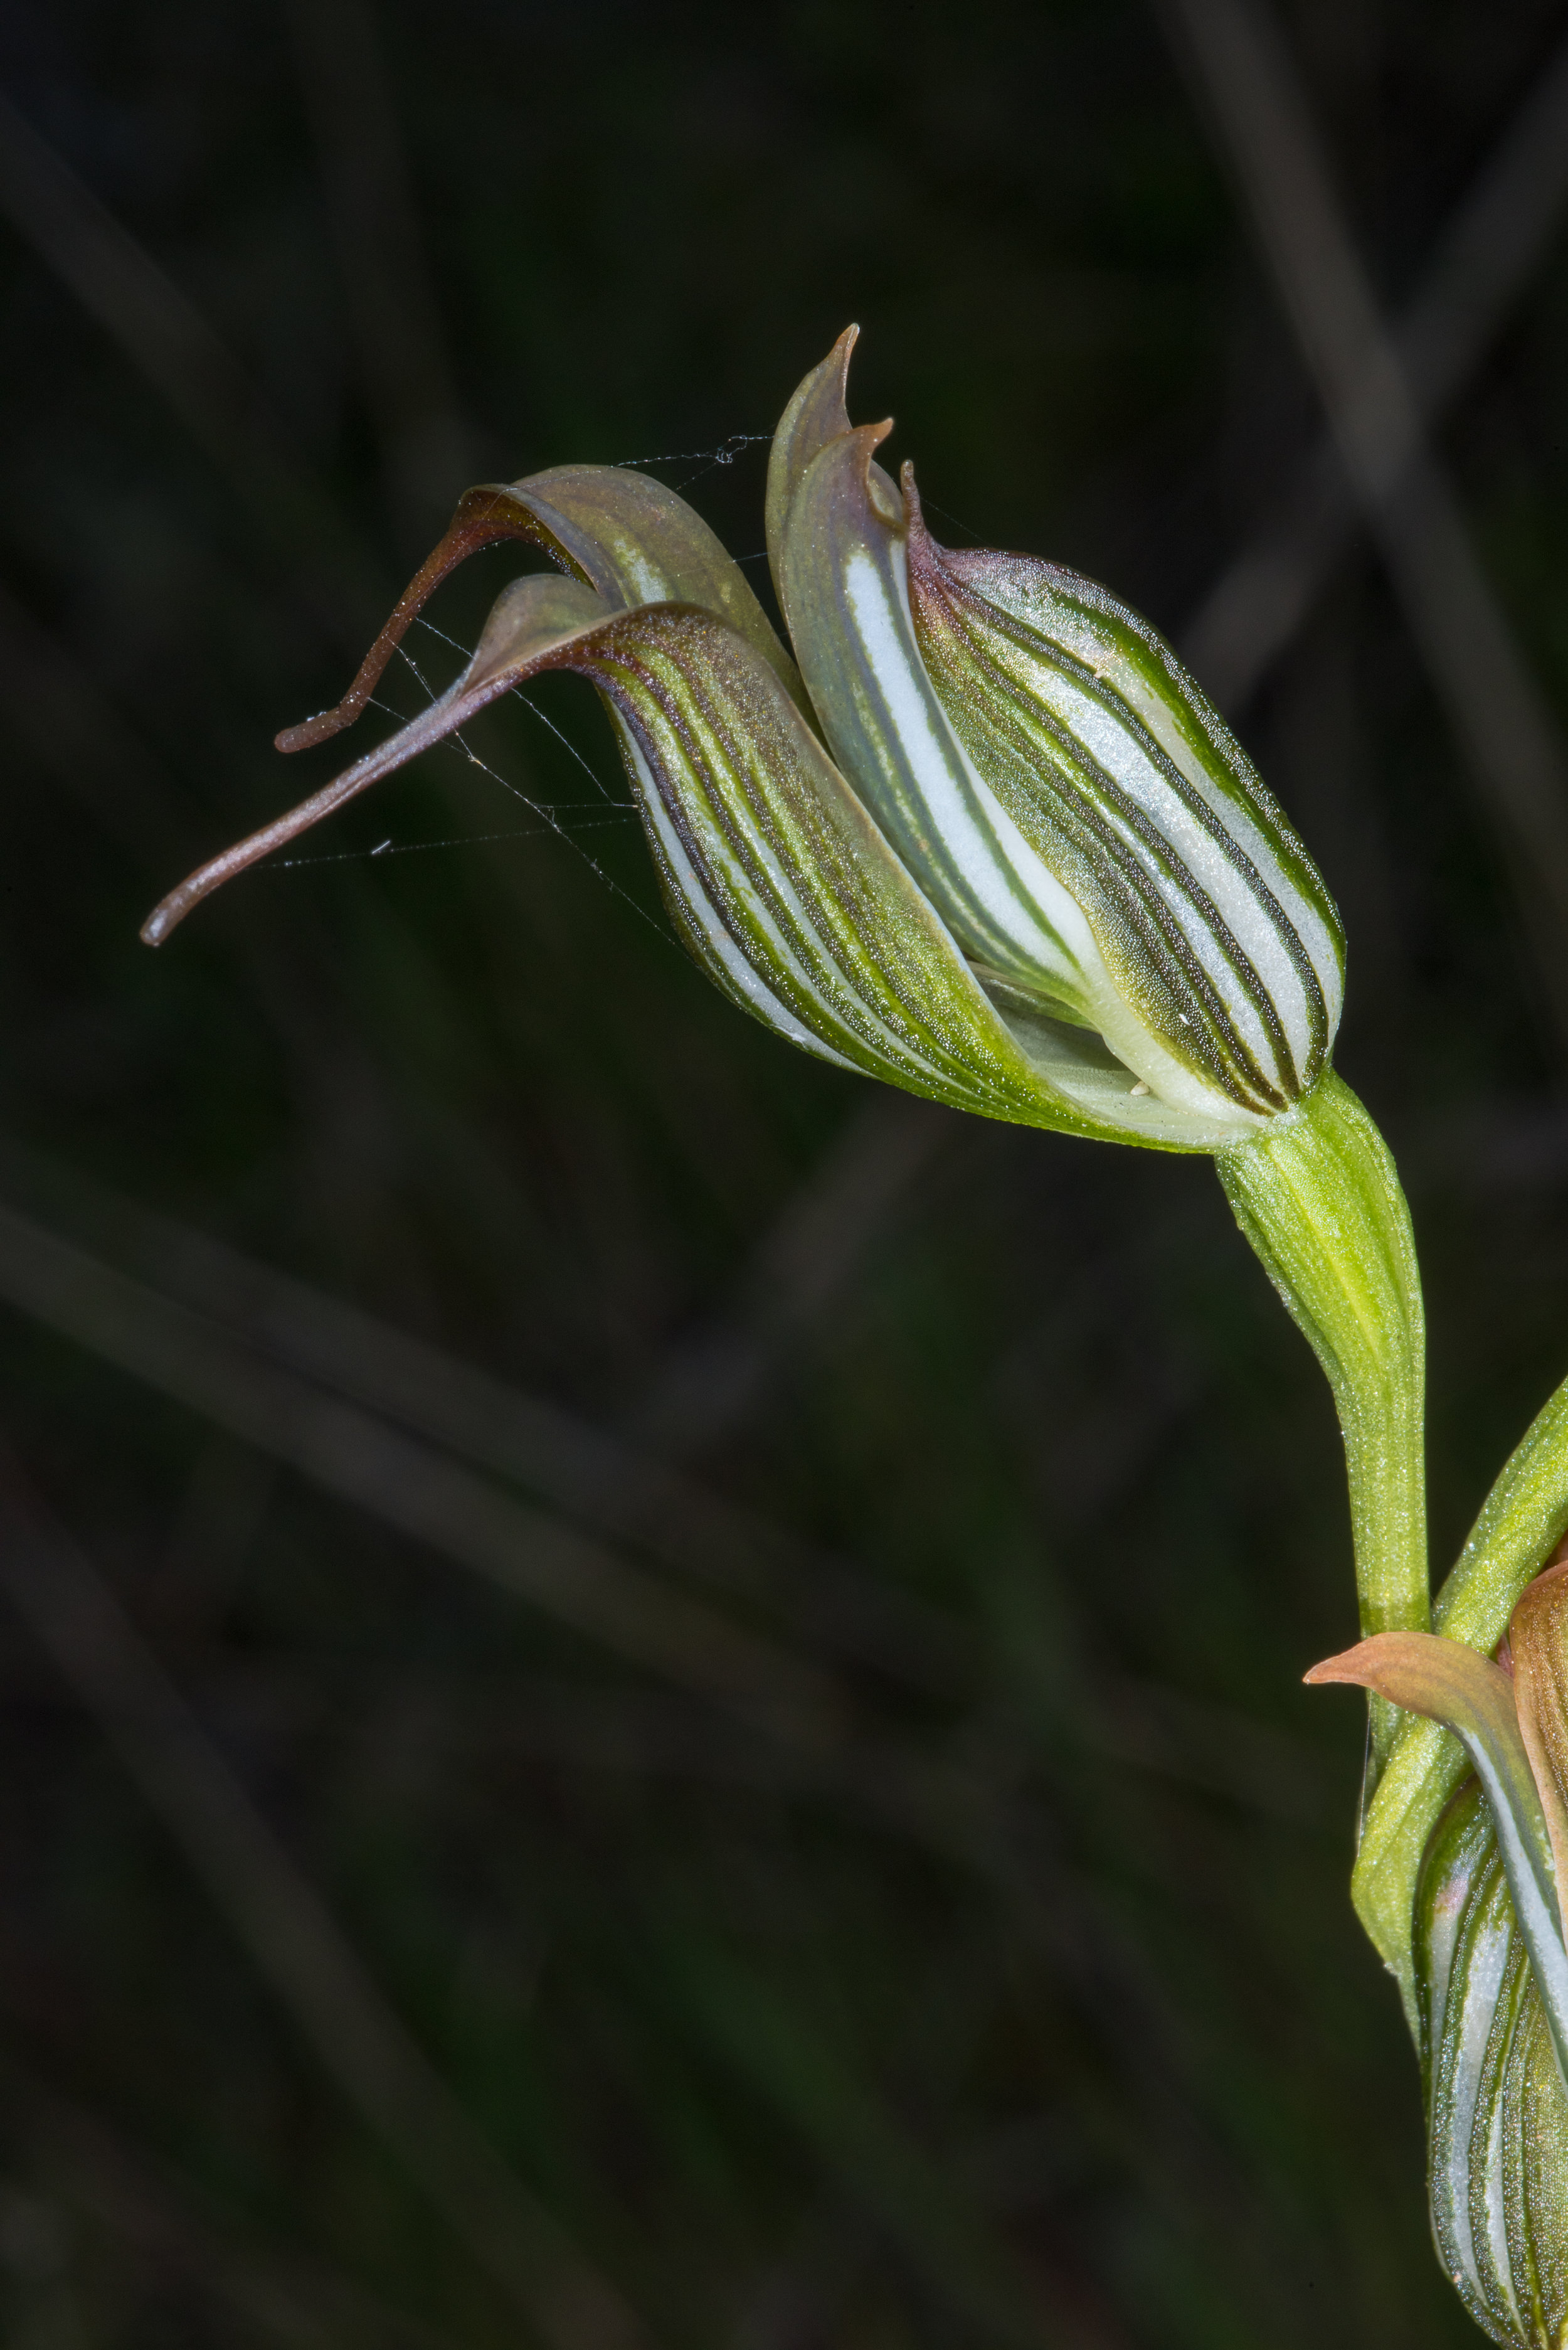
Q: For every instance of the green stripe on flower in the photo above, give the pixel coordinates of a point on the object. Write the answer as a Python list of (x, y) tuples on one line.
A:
[(1083, 819), (1200, 901)]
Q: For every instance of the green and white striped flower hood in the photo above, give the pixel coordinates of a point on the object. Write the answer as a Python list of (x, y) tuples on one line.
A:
[(988, 841)]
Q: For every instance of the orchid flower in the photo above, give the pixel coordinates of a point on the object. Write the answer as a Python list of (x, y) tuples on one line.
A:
[(988, 842), (996, 848)]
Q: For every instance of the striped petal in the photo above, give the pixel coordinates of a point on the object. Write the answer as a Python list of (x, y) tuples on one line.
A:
[(1083, 819), (843, 587), (1496, 2110), (1202, 902), (782, 886), (1491, 2046)]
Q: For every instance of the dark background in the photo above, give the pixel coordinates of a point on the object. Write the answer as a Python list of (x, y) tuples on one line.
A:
[(752, 1788)]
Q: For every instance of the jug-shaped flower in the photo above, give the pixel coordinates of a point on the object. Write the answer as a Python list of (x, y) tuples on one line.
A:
[(1132, 933), (988, 842)]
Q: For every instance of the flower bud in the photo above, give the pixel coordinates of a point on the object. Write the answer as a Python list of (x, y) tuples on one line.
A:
[(1497, 2112), (1490, 1963), (1091, 831)]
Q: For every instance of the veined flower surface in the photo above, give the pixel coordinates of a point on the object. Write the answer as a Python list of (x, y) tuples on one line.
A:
[(982, 836), (1488, 1971), (1082, 819), (988, 820)]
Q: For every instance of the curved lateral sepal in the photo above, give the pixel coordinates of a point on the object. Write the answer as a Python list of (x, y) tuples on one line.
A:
[(561, 609), (780, 882), (616, 530), (639, 543)]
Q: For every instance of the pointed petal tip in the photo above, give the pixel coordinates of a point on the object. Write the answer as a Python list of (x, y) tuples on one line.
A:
[(838, 359), (1393, 1663), (1350, 1667), (835, 367), (1445, 1679)]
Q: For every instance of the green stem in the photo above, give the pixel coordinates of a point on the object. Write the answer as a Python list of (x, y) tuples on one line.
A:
[(1318, 1197), (1522, 1520)]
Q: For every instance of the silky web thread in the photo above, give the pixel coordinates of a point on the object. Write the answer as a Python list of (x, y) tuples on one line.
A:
[(706, 461), (551, 823)]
